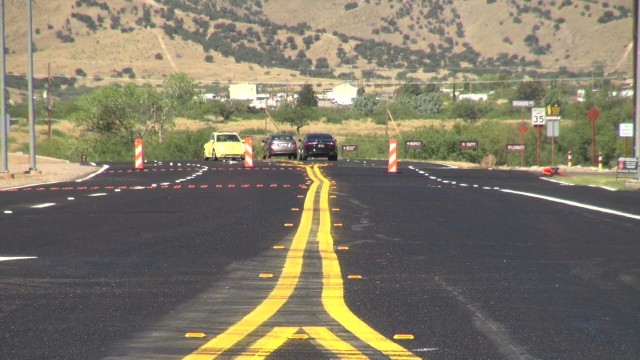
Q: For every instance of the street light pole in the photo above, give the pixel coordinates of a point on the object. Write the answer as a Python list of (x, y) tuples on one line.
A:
[(636, 92), (4, 126), (32, 117)]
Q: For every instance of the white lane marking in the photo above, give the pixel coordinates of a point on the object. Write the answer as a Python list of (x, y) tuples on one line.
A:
[(556, 181), (497, 333), (576, 204), (98, 194), (3, 258), (40, 206), (424, 349), (8, 212), (71, 198), (104, 167)]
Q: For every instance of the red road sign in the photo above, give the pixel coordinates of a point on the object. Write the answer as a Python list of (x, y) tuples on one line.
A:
[(593, 114), (522, 128)]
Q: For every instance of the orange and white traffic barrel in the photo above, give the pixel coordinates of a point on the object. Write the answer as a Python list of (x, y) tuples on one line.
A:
[(569, 159), (248, 152), (393, 156), (139, 155)]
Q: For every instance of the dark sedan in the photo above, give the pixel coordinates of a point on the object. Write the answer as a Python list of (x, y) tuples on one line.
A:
[(318, 145), (279, 145)]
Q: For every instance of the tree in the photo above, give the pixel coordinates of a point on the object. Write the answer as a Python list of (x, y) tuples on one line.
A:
[(180, 88), (296, 116), (157, 111), (224, 109), (307, 97), (427, 104), (530, 90), (410, 89), (365, 104), (105, 111), (469, 110), (127, 112)]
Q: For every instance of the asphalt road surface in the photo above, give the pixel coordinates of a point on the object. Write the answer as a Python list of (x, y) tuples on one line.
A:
[(318, 260)]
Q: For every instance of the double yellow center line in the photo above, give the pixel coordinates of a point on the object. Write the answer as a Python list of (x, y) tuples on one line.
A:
[(332, 295)]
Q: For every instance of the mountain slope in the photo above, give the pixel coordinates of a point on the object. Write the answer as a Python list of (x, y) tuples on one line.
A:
[(284, 41)]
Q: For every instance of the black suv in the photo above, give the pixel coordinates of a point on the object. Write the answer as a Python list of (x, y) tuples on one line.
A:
[(318, 145)]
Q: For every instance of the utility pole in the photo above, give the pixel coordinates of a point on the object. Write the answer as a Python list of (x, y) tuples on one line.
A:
[(4, 127), (32, 115), (49, 100), (636, 73)]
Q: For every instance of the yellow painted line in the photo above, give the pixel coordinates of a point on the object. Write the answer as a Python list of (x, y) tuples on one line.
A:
[(266, 275), (279, 295), (195, 335), (295, 209), (333, 287), (403, 337), (299, 336), (354, 277), (268, 344), (333, 343), (278, 247), (337, 225), (343, 248), (288, 225)]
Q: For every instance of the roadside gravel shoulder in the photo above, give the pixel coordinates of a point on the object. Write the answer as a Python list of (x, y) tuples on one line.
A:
[(48, 170)]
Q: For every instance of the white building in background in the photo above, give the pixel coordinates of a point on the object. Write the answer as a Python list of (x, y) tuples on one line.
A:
[(244, 91), (263, 101), (343, 94), (473, 97)]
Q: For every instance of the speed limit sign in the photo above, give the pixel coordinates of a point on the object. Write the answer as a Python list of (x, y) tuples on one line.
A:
[(538, 117)]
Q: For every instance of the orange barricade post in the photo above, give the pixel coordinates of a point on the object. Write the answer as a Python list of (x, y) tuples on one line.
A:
[(248, 152), (569, 159), (139, 155), (393, 157)]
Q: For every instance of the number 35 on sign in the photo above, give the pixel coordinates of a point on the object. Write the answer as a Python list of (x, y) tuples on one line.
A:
[(538, 117)]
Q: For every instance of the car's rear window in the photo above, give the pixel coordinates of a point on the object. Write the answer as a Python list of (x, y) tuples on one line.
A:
[(283, 137), (323, 137), (228, 138)]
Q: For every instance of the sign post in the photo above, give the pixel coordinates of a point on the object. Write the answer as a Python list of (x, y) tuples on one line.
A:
[(593, 114), (553, 127), (538, 121), (522, 129), (626, 131)]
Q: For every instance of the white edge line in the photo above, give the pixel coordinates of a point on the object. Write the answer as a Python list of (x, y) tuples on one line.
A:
[(3, 258), (576, 204), (44, 205), (104, 167), (55, 182)]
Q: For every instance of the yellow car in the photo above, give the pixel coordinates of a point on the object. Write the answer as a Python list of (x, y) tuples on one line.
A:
[(224, 145)]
